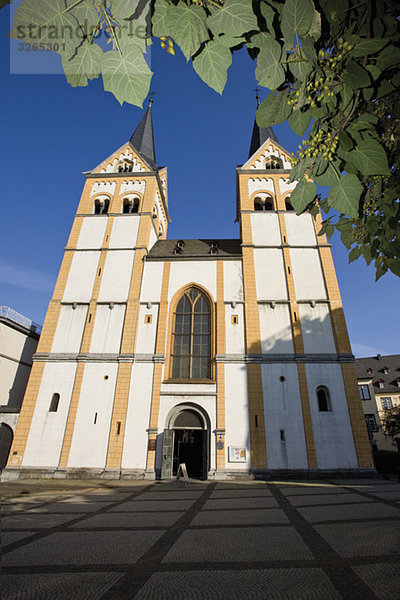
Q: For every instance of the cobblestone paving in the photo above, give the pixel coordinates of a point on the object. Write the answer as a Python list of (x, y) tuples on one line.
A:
[(328, 540)]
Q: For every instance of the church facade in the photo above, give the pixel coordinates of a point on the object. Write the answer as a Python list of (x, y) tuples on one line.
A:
[(230, 356)]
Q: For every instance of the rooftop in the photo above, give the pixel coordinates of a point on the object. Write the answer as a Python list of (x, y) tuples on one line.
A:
[(380, 368)]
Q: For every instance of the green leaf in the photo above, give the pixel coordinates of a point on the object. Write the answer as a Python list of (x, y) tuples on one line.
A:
[(268, 13), (299, 121), (375, 72), (296, 18), (302, 195), (127, 77), (46, 21), (369, 157), (344, 196), (354, 254), (212, 63), (160, 23), (330, 176), (229, 41), (315, 27), (84, 65), (121, 9), (234, 18), (389, 57), (345, 142), (365, 47), (334, 11), (274, 109), (269, 71), (299, 66), (356, 76), (187, 25)]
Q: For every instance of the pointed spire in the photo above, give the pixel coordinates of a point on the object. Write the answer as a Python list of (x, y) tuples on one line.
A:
[(143, 138), (260, 134)]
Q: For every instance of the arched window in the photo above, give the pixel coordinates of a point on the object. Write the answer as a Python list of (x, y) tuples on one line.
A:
[(258, 204), (101, 206), (266, 204), (160, 230), (288, 204), (55, 399), (130, 206), (324, 404), (191, 337), (155, 212)]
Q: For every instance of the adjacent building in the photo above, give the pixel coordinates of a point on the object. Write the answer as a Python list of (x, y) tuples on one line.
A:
[(228, 355)]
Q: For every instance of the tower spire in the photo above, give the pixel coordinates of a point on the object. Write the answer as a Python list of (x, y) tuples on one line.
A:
[(260, 134), (142, 138)]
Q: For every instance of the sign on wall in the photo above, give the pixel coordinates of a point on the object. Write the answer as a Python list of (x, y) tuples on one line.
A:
[(237, 454)]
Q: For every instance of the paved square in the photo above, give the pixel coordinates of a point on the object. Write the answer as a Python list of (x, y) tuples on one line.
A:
[(247, 493), (256, 516), (91, 548), (230, 544), (376, 538), (114, 520), (367, 510), (270, 584), (383, 579), (327, 499), (156, 505), (35, 521), (242, 503)]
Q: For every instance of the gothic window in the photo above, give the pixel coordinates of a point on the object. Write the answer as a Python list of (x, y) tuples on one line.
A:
[(101, 206), (258, 205), (54, 402), (323, 399), (130, 206), (191, 337), (266, 204), (160, 230), (155, 212)]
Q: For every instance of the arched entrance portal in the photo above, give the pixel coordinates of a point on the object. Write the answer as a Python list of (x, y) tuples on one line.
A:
[(6, 438), (186, 440)]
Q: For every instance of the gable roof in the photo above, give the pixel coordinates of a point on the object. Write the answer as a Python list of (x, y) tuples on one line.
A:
[(192, 249), (376, 364)]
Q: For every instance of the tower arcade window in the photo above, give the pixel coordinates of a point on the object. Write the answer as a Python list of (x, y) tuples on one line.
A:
[(125, 167), (288, 204), (101, 206), (264, 205), (55, 399), (324, 404), (191, 337), (130, 206)]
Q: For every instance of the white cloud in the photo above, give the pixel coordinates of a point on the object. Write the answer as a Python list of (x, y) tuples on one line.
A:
[(25, 277)]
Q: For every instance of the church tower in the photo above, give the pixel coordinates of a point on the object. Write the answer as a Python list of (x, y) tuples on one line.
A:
[(230, 355)]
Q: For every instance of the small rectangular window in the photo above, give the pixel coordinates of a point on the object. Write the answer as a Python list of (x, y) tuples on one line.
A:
[(371, 422), (288, 270), (55, 399), (235, 319), (148, 318), (387, 403), (256, 420), (282, 434), (99, 273), (118, 427), (95, 419), (364, 392)]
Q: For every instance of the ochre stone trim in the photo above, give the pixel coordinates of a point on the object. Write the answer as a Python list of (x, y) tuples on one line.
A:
[(49, 327), (75, 231), (307, 421), (157, 373), (220, 368), (25, 417), (73, 408), (360, 435), (258, 450), (116, 437)]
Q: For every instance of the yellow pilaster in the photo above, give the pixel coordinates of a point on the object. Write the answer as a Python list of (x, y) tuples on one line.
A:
[(157, 374)]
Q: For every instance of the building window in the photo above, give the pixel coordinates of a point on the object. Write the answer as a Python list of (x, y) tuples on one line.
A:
[(266, 204), (387, 403), (288, 204), (130, 206), (364, 392), (371, 422), (323, 399), (101, 206), (191, 338), (55, 399), (381, 383)]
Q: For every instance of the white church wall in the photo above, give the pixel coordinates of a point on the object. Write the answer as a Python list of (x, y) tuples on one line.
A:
[(116, 276), (69, 331), (93, 417), (275, 329), (47, 428), (265, 229), (332, 431), (234, 332), (260, 185), (151, 282), (300, 229), (138, 417), (153, 237), (307, 274), (270, 274), (81, 276), (236, 415), (107, 330), (282, 411), (124, 231), (203, 273), (316, 329), (233, 281), (91, 235), (146, 338)]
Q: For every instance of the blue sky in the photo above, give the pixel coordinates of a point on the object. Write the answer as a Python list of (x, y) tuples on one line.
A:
[(52, 133)]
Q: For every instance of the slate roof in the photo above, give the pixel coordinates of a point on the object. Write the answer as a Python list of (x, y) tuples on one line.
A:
[(142, 139), (165, 249), (260, 135), (377, 365)]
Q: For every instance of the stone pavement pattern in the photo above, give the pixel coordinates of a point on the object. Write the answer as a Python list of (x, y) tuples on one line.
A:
[(336, 540)]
